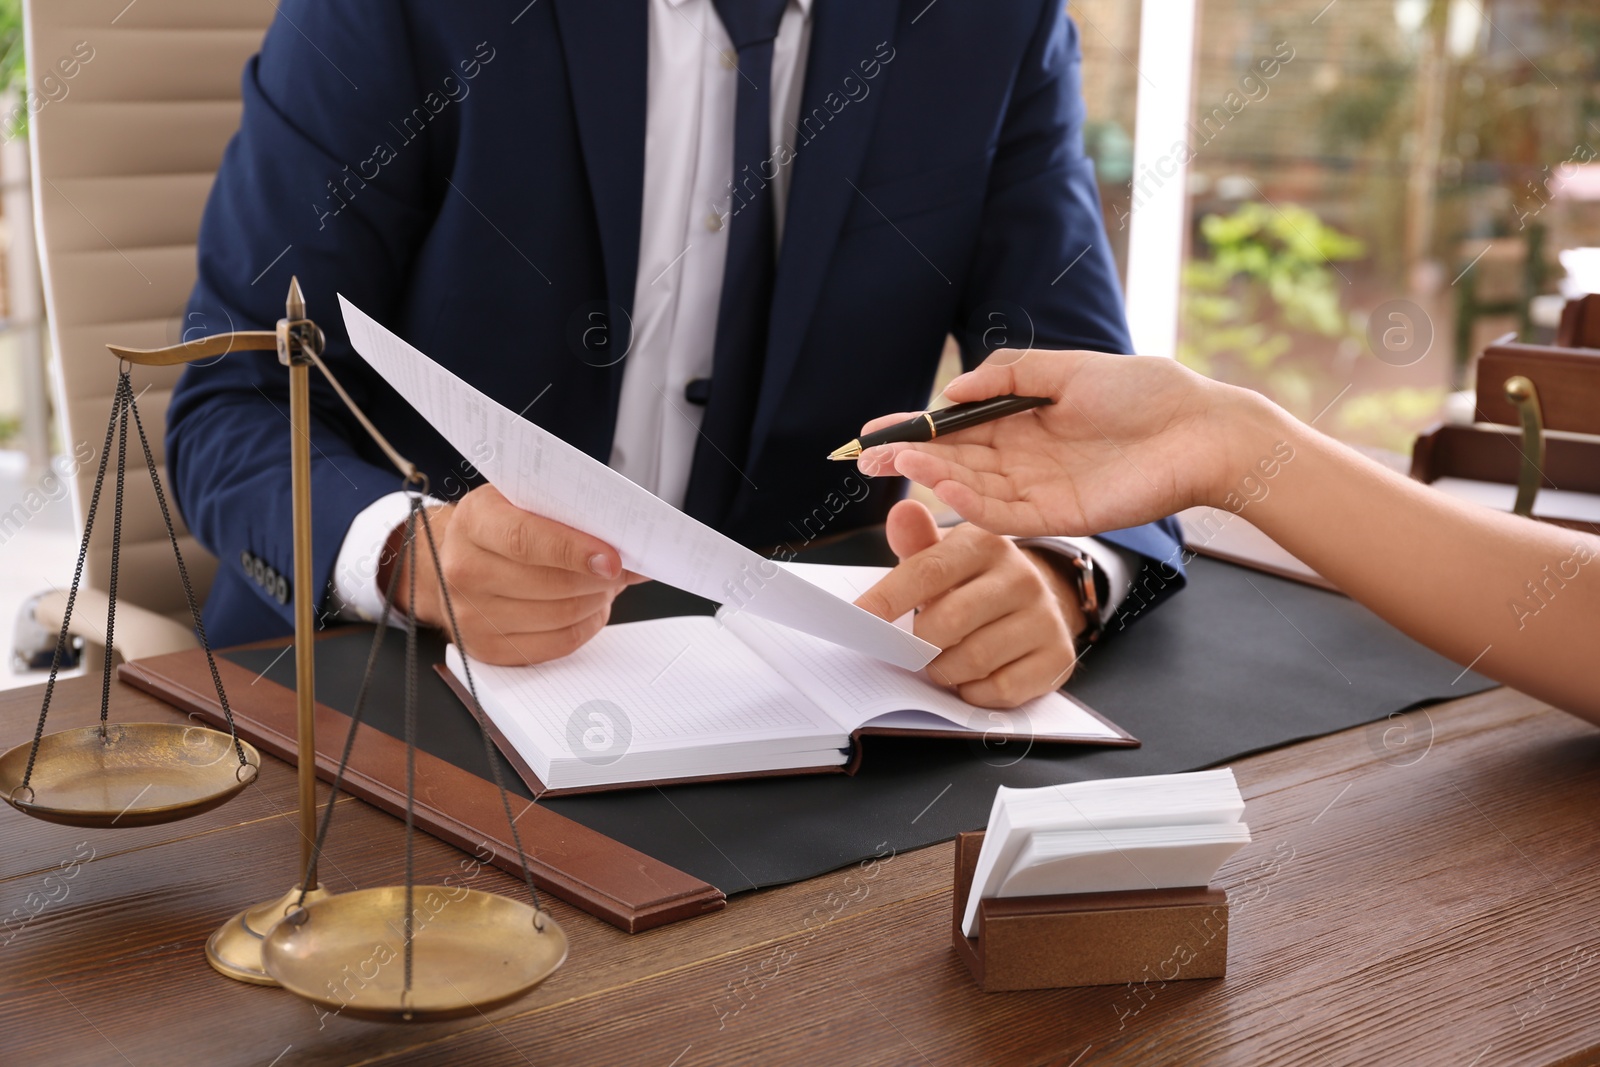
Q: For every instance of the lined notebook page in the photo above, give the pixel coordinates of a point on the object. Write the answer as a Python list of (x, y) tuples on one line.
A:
[(681, 683), (856, 689)]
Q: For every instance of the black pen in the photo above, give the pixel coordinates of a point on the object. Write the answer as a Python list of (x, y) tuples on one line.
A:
[(931, 424)]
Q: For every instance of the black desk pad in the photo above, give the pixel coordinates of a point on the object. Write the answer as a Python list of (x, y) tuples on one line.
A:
[(1237, 662)]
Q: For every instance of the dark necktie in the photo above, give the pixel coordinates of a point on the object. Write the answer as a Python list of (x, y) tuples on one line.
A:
[(741, 344)]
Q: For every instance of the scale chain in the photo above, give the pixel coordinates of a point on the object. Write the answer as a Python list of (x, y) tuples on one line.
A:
[(123, 404), (183, 573), (411, 732), (409, 550), (350, 736), (72, 591), (124, 393), (494, 757)]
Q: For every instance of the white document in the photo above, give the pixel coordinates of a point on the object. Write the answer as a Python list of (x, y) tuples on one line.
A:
[(1134, 857), (539, 472), (846, 582), (1196, 798)]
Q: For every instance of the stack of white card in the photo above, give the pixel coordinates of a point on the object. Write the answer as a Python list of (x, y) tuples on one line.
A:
[(1157, 832)]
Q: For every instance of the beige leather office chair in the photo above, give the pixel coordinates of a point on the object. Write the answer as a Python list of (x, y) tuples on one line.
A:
[(135, 104)]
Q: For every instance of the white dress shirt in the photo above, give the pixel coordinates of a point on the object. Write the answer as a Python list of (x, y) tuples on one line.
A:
[(693, 87), (692, 91)]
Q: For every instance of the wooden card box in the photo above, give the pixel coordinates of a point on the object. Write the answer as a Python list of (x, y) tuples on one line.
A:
[(1088, 938)]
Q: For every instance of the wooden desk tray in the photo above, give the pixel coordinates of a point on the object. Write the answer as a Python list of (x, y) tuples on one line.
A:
[(1088, 938), (1493, 449), (1494, 454)]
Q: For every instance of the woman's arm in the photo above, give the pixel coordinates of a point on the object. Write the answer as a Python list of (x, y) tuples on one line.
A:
[(1130, 439)]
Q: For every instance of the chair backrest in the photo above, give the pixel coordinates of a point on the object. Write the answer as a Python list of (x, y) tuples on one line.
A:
[(131, 107)]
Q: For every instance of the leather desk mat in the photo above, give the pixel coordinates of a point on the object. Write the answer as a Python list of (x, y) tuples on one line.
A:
[(1237, 662)]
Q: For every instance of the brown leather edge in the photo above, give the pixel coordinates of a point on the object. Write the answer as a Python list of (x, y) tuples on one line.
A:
[(592, 872), (1265, 568)]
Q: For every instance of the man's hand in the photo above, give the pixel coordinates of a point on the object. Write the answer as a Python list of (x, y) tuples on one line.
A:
[(525, 589), (1004, 618)]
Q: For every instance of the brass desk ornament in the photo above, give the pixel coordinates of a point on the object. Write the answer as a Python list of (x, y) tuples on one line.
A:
[(473, 951), (460, 951), (1522, 394), (133, 774)]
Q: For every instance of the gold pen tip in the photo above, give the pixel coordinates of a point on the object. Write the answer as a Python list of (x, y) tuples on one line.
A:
[(844, 452)]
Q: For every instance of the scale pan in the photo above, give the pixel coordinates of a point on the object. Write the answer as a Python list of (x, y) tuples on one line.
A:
[(137, 774), (473, 951)]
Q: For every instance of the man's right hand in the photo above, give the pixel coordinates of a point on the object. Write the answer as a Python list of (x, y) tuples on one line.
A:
[(525, 588)]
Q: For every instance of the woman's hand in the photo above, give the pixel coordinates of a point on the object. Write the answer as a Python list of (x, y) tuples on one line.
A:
[(1129, 439)]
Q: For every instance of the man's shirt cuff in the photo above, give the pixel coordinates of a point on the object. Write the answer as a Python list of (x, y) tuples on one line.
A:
[(355, 595), (1118, 565)]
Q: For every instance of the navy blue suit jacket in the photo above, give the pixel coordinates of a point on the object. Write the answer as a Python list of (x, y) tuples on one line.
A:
[(471, 175)]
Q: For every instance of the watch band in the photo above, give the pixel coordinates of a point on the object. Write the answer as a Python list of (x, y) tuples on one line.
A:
[(1083, 580)]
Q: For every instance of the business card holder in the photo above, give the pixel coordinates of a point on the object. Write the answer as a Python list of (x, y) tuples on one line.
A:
[(1083, 939)]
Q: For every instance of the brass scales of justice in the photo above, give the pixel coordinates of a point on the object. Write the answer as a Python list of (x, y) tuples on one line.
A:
[(477, 952)]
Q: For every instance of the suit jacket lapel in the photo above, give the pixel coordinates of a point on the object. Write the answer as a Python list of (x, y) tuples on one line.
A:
[(606, 43), (843, 34)]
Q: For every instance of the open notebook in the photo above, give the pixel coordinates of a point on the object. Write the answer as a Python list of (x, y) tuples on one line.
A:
[(732, 696)]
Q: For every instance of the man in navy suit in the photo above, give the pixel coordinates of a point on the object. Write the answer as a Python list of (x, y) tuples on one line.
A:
[(702, 240)]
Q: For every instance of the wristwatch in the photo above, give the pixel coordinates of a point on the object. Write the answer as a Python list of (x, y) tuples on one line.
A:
[(1085, 578)]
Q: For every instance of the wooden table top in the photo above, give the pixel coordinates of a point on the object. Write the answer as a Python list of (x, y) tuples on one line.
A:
[(1426, 897)]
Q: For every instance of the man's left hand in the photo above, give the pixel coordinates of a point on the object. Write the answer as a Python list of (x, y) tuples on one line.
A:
[(1004, 616)]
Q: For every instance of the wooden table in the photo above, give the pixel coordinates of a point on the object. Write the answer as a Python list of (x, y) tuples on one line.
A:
[(1432, 896)]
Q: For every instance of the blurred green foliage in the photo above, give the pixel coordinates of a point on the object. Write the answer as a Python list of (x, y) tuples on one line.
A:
[(13, 70), (12, 53), (13, 58), (1390, 418), (1261, 307), (1267, 274)]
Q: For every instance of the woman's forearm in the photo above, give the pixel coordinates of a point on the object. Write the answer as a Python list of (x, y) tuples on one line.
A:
[(1518, 599), (1133, 437)]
